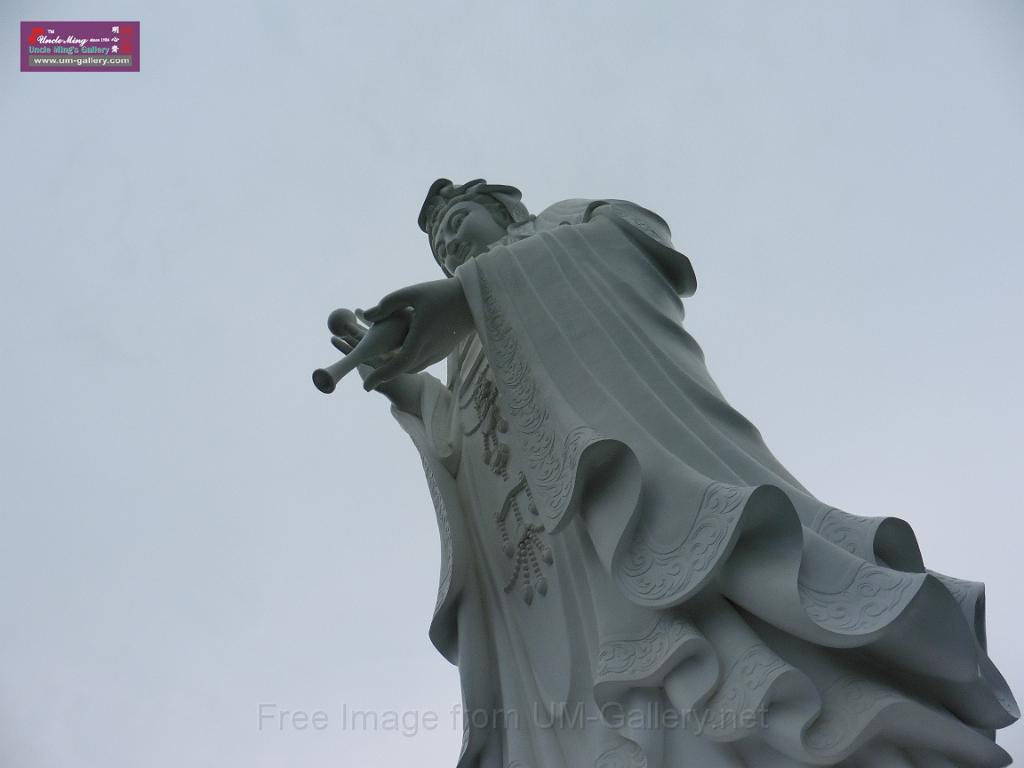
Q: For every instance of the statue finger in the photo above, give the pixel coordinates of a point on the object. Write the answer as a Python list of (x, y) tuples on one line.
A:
[(390, 304), (396, 366), (341, 344)]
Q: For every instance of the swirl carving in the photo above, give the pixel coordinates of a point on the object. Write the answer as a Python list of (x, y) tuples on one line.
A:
[(847, 708), (874, 597), (634, 658), (851, 532), (653, 573), (730, 713)]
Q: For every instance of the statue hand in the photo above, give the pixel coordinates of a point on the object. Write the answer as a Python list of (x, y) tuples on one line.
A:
[(440, 320), (403, 390), (348, 335)]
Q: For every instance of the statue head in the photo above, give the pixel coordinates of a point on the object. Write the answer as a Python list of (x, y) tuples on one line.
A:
[(463, 221)]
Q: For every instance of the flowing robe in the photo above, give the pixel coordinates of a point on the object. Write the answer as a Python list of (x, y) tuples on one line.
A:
[(630, 578)]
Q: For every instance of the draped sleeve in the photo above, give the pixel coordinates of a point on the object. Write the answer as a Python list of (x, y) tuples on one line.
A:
[(432, 436)]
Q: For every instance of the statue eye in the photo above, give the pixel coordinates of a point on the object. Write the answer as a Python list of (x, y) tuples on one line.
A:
[(456, 220)]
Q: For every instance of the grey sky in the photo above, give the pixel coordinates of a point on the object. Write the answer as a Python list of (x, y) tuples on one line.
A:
[(189, 529)]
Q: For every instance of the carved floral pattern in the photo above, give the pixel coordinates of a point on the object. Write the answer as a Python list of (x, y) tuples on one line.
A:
[(635, 658), (851, 532), (730, 712), (871, 601), (848, 705), (653, 573)]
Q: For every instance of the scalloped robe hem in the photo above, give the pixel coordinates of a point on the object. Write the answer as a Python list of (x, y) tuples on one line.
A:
[(631, 579)]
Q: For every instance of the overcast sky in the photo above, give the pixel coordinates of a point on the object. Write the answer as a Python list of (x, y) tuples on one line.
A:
[(188, 529)]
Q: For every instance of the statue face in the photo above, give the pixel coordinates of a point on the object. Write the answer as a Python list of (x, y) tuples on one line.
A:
[(465, 232)]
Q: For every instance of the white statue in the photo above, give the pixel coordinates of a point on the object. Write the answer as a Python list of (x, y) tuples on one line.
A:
[(629, 576)]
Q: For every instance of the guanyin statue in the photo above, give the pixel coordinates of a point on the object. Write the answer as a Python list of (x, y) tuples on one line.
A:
[(629, 577)]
